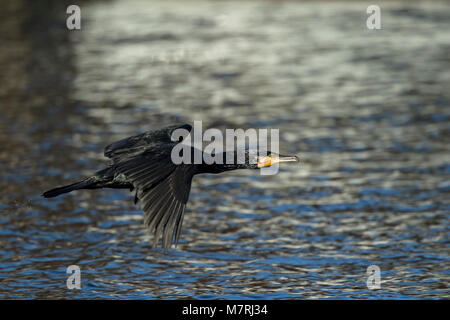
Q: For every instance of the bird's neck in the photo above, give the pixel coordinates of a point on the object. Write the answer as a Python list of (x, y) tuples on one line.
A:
[(218, 168)]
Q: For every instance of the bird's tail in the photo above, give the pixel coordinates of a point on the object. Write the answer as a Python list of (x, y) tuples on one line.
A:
[(87, 183)]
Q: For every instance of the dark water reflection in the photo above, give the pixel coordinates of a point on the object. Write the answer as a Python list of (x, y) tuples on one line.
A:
[(367, 110)]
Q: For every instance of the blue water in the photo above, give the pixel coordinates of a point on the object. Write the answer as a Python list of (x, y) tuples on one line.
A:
[(367, 112)]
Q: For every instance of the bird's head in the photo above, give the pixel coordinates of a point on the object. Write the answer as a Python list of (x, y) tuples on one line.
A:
[(250, 159), (273, 158)]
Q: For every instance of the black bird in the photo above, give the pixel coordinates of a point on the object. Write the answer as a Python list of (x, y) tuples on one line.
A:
[(143, 162)]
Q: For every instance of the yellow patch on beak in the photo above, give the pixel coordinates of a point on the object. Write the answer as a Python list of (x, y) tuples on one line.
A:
[(264, 162)]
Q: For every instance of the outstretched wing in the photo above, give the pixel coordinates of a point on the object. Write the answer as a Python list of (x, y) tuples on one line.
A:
[(163, 187), (164, 205)]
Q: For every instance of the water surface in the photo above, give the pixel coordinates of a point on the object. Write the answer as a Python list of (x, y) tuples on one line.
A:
[(367, 111)]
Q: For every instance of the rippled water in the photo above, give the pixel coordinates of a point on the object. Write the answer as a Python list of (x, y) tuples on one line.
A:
[(367, 111)]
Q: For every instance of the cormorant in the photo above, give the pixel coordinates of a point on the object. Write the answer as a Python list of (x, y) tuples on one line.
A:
[(143, 162)]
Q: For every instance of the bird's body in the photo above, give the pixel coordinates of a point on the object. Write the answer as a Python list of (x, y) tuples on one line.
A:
[(143, 163)]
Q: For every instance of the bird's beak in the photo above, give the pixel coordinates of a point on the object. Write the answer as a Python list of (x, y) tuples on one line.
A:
[(281, 158), (268, 161)]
